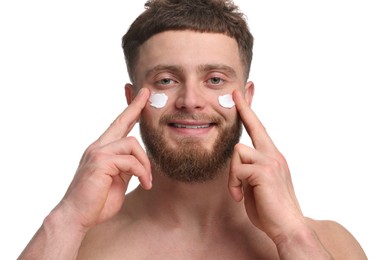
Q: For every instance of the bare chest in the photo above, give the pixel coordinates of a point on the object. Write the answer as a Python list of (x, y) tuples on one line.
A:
[(144, 243)]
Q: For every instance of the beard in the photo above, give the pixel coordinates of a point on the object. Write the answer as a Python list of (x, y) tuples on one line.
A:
[(190, 162)]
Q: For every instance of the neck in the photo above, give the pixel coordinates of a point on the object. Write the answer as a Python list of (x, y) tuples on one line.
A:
[(191, 204)]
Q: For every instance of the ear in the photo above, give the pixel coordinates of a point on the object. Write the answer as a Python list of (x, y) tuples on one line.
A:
[(249, 92), (129, 93)]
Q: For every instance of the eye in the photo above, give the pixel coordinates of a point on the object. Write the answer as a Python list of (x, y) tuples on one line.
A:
[(165, 81), (215, 81)]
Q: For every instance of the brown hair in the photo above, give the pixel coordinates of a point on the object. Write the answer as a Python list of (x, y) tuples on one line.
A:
[(213, 16)]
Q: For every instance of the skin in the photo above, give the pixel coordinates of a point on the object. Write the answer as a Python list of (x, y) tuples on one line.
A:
[(249, 212)]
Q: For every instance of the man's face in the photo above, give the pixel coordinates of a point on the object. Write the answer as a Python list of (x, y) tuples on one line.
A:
[(191, 139)]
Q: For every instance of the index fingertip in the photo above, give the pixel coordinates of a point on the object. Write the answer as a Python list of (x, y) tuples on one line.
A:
[(238, 97), (236, 93), (143, 92), (141, 98)]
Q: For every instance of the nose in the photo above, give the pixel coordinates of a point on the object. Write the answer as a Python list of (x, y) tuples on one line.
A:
[(190, 97)]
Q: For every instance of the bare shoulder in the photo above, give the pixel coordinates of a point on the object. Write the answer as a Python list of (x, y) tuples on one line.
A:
[(114, 238), (102, 241), (337, 239)]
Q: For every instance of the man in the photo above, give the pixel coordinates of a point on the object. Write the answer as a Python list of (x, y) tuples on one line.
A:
[(202, 195)]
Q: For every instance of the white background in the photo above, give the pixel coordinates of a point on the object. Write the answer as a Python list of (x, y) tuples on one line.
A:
[(317, 68)]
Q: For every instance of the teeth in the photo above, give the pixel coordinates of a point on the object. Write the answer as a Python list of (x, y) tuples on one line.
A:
[(190, 126)]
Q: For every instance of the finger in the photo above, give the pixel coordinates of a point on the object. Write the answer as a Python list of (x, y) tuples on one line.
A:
[(242, 176), (244, 154), (122, 125), (137, 162), (129, 165), (128, 146), (244, 164), (235, 184), (106, 158), (257, 132), (124, 146)]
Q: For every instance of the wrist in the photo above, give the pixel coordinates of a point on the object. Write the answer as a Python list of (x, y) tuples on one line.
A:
[(61, 221), (64, 234), (57, 238), (301, 243)]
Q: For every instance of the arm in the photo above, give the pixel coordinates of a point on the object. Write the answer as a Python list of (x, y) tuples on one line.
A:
[(98, 188), (57, 238), (261, 176)]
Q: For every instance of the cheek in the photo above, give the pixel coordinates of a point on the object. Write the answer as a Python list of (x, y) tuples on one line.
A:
[(150, 114), (224, 108)]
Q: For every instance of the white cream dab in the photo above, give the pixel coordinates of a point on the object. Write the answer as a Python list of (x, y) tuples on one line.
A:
[(158, 100), (226, 101)]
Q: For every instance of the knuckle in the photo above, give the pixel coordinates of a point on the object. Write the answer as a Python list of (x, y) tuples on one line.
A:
[(237, 147), (240, 145), (281, 158), (274, 164), (95, 155), (85, 156), (131, 140), (95, 145), (90, 148), (268, 169), (131, 160)]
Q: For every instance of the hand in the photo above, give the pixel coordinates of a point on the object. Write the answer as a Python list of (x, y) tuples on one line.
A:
[(262, 176), (98, 189)]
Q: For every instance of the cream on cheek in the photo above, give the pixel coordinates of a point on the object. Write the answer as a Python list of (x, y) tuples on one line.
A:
[(226, 101), (158, 100)]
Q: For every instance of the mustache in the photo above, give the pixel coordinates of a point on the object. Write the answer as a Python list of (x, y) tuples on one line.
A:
[(169, 118)]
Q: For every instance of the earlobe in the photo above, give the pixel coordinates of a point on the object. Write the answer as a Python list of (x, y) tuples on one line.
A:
[(129, 93), (249, 92)]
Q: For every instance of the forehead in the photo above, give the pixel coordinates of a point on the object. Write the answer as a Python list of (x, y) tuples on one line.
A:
[(189, 50)]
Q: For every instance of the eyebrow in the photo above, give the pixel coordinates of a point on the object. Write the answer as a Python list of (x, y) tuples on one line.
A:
[(220, 67), (202, 68), (159, 68)]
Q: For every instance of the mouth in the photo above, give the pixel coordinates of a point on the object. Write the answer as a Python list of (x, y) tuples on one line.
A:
[(185, 125), (191, 126)]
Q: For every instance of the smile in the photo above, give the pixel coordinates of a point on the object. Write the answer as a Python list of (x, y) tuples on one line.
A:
[(189, 126)]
